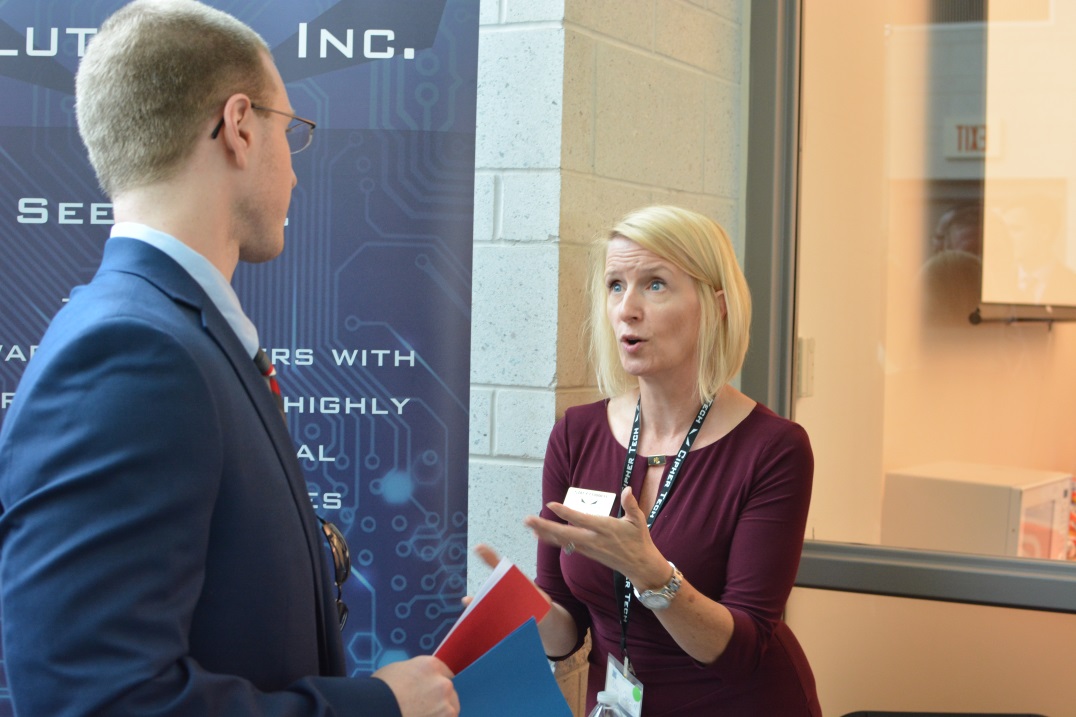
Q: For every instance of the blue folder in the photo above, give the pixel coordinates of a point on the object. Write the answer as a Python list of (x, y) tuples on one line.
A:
[(513, 679)]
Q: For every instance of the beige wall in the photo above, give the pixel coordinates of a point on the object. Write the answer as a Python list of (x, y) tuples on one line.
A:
[(880, 653), (841, 281), (652, 104), (888, 392)]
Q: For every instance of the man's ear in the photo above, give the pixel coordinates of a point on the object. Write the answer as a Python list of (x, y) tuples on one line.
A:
[(236, 134), (719, 295)]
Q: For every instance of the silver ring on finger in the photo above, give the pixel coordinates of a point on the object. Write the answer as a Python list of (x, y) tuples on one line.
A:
[(569, 548)]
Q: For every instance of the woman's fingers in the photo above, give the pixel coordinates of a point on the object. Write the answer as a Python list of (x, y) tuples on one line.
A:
[(632, 511)]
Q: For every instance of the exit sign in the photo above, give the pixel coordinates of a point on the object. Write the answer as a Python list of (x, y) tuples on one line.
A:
[(971, 139)]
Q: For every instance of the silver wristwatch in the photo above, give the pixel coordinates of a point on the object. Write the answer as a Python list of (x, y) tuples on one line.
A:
[(662, 597)]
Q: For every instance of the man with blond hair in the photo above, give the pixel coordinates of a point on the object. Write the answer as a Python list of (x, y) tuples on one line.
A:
[(159, 554)]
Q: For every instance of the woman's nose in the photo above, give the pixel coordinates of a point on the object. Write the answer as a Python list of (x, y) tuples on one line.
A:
[(630, 306)]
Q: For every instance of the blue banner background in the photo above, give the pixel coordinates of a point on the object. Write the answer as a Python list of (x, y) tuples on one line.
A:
[(366, 314)]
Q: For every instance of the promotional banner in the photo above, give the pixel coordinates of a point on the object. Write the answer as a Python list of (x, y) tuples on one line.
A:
[(366, 315)]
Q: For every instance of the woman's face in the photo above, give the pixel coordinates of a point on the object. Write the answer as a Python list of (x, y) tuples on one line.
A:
[(654, 310)]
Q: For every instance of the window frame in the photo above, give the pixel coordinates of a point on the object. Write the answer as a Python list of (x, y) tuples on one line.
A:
[(771, 207)]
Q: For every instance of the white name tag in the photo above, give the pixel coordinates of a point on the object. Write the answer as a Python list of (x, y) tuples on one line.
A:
[(591, 502), (628, 690)]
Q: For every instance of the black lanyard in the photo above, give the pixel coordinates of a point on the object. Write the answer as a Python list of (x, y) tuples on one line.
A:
[(621, 584)]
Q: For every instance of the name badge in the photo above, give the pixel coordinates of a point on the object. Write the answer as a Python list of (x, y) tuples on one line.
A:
[(591, 502), (628, 690)]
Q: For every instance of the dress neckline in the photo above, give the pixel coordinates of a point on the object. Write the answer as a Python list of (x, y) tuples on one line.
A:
[(612, 435)]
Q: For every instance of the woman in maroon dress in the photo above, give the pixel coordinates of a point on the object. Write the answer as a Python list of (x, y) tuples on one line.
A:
[(687, 579)]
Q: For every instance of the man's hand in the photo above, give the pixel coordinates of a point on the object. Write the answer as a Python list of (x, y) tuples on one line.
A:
[(423, 687)]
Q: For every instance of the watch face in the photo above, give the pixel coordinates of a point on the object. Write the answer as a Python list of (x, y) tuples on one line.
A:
[(661, 598), (654, 600)]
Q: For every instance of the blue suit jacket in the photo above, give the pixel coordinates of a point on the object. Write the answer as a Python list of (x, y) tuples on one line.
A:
[(158, 550)]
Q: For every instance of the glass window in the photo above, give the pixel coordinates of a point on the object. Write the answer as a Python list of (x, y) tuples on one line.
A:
[(935, 356)]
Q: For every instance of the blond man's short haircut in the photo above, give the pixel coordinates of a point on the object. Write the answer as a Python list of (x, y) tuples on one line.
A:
[(700, 247), (153, 75)]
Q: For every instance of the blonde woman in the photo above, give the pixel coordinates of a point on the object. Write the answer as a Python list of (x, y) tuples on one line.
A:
[(687, 579)]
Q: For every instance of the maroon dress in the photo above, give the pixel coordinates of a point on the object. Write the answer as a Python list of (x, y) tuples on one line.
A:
[(733, 524)]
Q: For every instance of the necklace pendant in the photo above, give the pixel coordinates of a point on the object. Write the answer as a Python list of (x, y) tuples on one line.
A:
[(655, 460)]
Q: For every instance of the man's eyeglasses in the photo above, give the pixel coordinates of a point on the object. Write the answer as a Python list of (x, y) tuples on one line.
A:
[(300, 132), (341, 563)]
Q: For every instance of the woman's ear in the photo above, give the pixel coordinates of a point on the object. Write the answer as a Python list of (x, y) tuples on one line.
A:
[(719, 295)]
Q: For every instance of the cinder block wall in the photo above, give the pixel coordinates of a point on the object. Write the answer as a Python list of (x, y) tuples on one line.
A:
[(586, 109)]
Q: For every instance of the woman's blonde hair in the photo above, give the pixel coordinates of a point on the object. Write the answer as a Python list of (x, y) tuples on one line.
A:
[(701, 248), (156, 71)]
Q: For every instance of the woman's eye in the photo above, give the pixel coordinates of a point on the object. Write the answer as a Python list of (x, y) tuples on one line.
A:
[(615, 287), (657, 285)]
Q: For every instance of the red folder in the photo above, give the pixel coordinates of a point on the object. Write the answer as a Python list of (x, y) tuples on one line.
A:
[(506, 600)]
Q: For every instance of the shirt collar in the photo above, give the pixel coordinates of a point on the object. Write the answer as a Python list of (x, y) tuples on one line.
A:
[(207, 276)]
